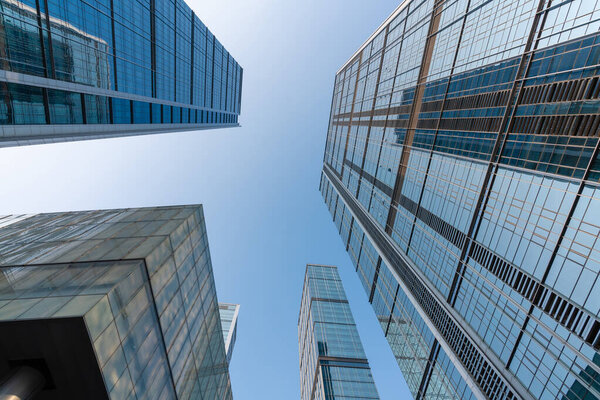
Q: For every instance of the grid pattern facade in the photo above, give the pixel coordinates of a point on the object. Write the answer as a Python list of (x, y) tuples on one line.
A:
[(142, 281), (333, 364), (462, 171), (79, 69)]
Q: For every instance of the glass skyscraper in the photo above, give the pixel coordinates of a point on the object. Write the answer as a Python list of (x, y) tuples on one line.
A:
[(117, 304), (229, 315), (461, 168), (333, 364), (74, 69)]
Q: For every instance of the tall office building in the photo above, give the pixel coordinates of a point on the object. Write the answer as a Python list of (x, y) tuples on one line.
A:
[(73, 69), (112, 304), (461, 169), (333, 364), (229, 315)]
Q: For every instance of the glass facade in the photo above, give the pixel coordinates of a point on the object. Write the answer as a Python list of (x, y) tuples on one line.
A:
[(229, 315), (73, 70), (333, 364), (141, 281), (462, 171)]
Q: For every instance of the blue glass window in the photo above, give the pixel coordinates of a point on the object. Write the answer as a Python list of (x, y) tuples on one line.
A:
[(21, 104), (156, 113), (166, 114), (176, 115), (96, 109), (141, 112), (121, 111), (65, 107)]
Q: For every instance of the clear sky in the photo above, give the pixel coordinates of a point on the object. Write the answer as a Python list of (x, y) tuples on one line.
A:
[(258, 183)]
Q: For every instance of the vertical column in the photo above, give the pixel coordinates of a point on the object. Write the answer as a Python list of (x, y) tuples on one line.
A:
[(153, 44), (52, 72), (205, 68), (192, 58), (362, 166), (234, 88), (43, 50), (226, 81), (378, 267), (174, 53), (351, 114), (240, 90), (333, 113), (114, 45), (50, 54), (83, 109), (364, 156), (414, 114), (212, 75)]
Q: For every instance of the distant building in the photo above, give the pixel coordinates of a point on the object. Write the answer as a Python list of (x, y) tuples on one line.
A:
[(110, 304), (229, 315), (74, 70), (333, 364), (462, 171)]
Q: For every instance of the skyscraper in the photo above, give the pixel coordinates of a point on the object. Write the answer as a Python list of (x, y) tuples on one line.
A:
[(333, 364), (117, 304), (461, 169), (72, 70), (229, 315)]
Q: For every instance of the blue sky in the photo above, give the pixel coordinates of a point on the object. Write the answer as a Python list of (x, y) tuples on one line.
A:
[(258, 183)]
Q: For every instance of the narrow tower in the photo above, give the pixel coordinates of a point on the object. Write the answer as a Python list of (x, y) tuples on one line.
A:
[(333, 364)]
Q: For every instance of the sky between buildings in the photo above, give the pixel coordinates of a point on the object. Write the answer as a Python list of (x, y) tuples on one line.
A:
[(259, 183)]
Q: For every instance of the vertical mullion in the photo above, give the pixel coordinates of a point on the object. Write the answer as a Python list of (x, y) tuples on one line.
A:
[(42, 46), (46, 105), (212, 75), (50, 49), (351, 111), (83, 109), (414, 114), (226, 82), (174, 52), (153, 45), (192, 59), (114, 44)]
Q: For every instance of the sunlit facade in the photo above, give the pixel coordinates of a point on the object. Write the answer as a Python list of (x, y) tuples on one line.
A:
[(113, 304), (461, 169), (333, 364), (72, 70), (229, 316)]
